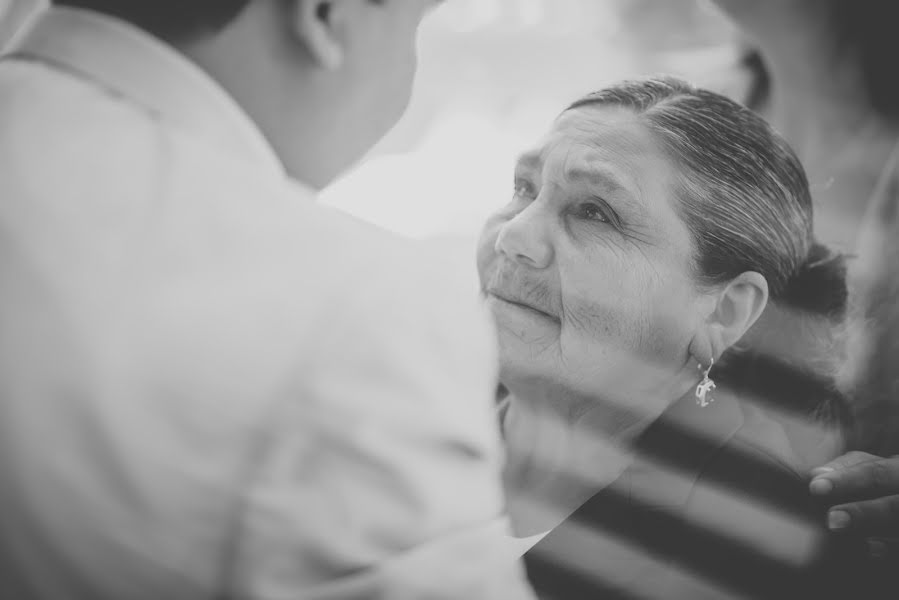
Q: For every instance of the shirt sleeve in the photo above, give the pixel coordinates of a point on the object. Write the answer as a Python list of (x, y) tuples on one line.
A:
[(385, 481)]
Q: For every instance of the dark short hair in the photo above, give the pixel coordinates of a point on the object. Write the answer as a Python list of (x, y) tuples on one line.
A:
[(173, 20), (743, 192)]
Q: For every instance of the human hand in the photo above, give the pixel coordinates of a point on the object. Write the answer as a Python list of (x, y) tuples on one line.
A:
[(863, 492)]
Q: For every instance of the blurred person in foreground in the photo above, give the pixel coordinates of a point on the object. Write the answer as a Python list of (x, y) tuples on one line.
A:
[(823, 72), (210, 386), (654, 280)]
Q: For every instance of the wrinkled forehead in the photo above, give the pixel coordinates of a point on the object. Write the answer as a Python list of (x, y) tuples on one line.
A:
[(605, 139), (612, 152), (608, 145), (617, 129)]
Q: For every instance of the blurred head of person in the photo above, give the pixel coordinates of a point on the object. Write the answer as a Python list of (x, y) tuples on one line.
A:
[(647, 233), (323, 79), (859, 35)]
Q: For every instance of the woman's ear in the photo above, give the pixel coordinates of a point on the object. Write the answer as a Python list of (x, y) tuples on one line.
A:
[(315, 24), (739, 306)]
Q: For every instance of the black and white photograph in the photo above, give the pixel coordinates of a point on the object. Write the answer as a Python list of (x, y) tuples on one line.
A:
[(449, 300)]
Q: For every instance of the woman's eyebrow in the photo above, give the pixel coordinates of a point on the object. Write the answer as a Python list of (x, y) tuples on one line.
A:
[(598, 175), (531, 161), (624, 198)]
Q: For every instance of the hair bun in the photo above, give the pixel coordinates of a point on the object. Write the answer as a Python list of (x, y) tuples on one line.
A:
[(820, 285)]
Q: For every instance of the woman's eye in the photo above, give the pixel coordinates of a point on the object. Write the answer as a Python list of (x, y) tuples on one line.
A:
[(524, 189), (594, 212)]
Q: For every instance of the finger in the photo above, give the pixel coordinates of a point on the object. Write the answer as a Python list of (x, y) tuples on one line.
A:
[(863, 481), (847, 460), (877, 518)]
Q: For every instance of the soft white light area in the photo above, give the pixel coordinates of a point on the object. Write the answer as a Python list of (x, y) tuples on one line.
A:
[(448, 184)]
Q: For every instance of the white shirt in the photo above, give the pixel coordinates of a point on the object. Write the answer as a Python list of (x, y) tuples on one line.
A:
[(211, 386), (518, 547)]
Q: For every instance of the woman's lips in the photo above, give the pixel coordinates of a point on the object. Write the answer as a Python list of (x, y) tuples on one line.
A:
[(521, 305)]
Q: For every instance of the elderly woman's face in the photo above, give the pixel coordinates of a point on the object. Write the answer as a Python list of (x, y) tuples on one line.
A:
[(587, 270)]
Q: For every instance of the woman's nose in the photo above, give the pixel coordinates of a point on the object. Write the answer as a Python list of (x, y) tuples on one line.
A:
[(524, 239)]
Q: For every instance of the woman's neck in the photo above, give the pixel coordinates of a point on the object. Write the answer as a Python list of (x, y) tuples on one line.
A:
[(562, 449)]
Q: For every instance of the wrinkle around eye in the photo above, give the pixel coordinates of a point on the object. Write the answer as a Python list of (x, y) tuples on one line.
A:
[(606, 214), (605, 221), (611, 214)]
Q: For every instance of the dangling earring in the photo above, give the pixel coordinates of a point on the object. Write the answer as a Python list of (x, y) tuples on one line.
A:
[(705, 386)]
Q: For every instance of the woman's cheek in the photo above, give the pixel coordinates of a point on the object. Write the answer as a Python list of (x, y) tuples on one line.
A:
[(670, 328), (628, 315), (600, 323), (486, 252)]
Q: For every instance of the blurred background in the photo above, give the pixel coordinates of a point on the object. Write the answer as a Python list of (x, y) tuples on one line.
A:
[(493, 75)]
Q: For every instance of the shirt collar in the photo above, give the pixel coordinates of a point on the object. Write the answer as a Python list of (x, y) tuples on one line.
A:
[(132, 63)]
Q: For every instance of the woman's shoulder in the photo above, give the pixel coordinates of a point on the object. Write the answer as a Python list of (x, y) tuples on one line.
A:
[(768, 532), (785, 376), (762, 444), (755, 485), (755, 478), (714, 500)]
